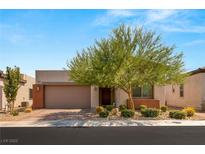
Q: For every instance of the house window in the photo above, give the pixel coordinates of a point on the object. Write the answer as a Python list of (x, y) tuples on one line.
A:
[(143, 92), (30, 94), (181, 90)]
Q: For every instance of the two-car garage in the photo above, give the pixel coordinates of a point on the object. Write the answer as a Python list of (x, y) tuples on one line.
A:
[(55, 90), (63, 97)]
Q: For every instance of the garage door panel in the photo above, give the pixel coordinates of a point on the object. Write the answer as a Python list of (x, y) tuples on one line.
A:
[(67, 97)]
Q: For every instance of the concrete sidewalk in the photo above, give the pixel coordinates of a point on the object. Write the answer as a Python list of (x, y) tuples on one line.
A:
[(103, 123)]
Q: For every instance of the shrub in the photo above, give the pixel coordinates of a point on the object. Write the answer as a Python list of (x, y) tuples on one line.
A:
[(163, 108), (142, 107), (21, 109), (28, 110), (122, 107), (177, 114), (190, 111), (150, 112), (15, 113), (99, 109), (127, 113), (109, 107), (104, 114), (25, 104), (114, 111), (171, 113)]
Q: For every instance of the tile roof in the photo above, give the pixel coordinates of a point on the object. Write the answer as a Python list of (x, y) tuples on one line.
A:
[(199, 70)]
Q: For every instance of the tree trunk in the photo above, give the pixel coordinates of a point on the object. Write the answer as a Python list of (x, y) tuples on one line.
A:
[(12, 107), (130, 100)]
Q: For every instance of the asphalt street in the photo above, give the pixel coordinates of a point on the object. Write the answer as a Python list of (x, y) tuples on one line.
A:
[(140, 135)]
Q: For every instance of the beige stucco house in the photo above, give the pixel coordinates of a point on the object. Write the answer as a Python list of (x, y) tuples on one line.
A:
[(191, 93), (24, 93), (54, 89)]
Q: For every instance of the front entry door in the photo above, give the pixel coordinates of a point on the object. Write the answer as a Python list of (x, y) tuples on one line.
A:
[(105, 96)]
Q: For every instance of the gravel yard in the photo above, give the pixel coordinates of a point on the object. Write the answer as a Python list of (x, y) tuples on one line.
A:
[(78, 114)]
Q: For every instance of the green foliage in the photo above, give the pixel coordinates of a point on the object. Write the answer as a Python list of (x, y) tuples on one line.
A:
[(122, 107), (15, 113), (150, 112), (171, 113), (11, 85), (163, 108), (142, 107), (109, 107), (129, 57), (177, 114), (99, 109), (104, 114), (127, 113), (21, 109), (190, 111), (25, 104)]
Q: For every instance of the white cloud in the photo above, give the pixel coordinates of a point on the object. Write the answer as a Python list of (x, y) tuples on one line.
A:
[(194, 43), (159, 15), (182, 21), (16, 34), (112, 16), (183, 28), (120, 13)]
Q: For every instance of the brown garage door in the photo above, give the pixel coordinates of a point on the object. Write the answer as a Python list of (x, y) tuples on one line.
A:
[(73, 97)]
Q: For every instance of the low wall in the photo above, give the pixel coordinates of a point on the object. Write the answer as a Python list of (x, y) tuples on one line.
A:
[(150, 103)]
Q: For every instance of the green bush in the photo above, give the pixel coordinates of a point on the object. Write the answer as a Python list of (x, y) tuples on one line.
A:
[(127, 113), (171, 113), (99, 109), (122, 107), (190, 111), (24, 104), (150, 112), (21, 109), (104, 114), (177, 114), (15, 113), (142, 107), (109, 107), (163, 108)]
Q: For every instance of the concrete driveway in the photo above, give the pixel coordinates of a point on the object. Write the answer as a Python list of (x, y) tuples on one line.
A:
[(61, 114)]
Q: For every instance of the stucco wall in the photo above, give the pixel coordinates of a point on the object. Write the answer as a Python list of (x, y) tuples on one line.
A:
[(52, 76), (203, 87), (120, 97), (94, 96), (159, 94), (1, 92), (23, 92), (193, 92)]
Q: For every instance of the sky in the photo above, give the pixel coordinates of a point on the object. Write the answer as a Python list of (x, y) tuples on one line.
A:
[(47, 39)]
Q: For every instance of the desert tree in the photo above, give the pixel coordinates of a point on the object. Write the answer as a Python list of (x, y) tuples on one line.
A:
[(129, 57), (11, 86)]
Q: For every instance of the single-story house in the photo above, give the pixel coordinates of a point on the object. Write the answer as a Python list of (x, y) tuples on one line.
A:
[(191, 93), (24, 92), (55, 89)]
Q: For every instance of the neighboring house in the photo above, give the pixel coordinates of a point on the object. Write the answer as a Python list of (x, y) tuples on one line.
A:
[(24, 92), (55, 89), (191, 93)]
